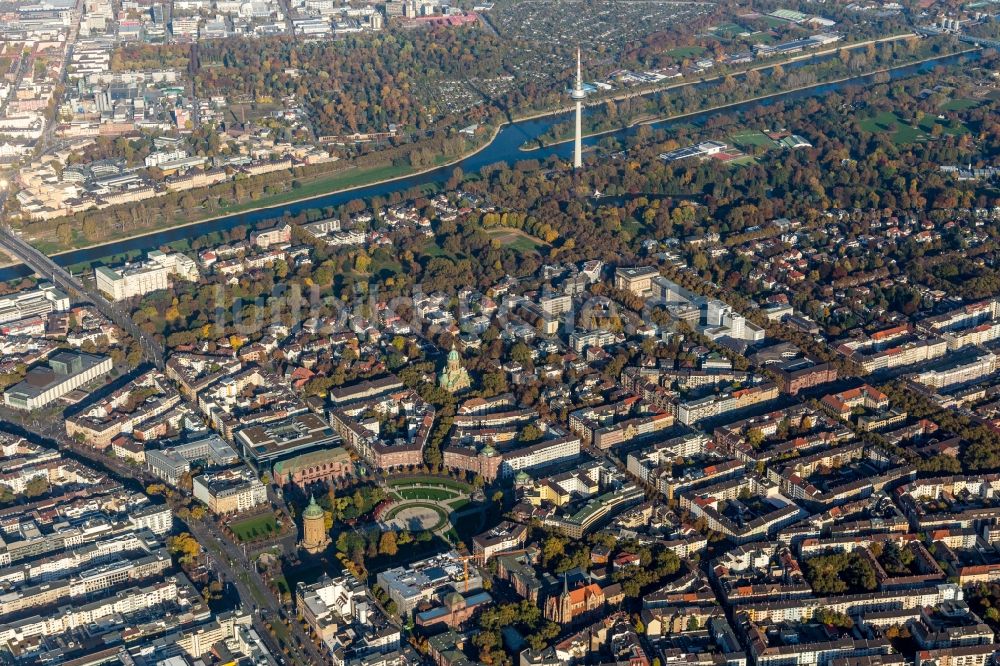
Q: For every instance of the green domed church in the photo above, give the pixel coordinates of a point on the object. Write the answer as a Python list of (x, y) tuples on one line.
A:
[(454, 377)]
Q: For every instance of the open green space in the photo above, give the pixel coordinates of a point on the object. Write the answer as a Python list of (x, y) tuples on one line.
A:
[(88, 266), (467, 525), (432, 249), (255, 527), (729, 30), (631, 226), (761, 38), (426, 480), (384, 265), (960, 104), (686, 51), (927, 125), (901, 133), (282, 584), (742, 161), (751, 139), (425, 493), (516, 239), (258, 594), (771, 21), (277, 627)]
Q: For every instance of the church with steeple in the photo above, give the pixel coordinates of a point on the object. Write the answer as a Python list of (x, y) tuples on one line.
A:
[(454, 377), (573, 605)]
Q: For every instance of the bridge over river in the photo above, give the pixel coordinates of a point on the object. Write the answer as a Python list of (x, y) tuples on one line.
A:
[(46, 268)]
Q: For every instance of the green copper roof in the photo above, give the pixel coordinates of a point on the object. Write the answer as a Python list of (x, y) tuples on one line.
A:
[(313, 510)]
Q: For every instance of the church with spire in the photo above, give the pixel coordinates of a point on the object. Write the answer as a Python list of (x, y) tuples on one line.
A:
[(454, 377), (573, 605)]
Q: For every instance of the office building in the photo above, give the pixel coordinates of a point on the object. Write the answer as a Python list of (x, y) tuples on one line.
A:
[(230, 491), (31, 302), (142, 278)]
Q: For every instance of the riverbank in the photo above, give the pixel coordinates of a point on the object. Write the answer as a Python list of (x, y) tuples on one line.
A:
[(284, 198), (645, 120), (334, 183), (503, 147), (664, 87)]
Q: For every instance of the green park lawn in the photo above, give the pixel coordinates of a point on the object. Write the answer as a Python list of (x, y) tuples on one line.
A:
[(443, 482), (686, 51), (751, 139), (251, 528), (771, 21), (729, 30), (927, 124), (516, 239), (901, 133), (960, 104), (425, 493), (742, 161)]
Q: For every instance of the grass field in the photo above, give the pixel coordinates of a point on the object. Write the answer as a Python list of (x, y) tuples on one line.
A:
[(927, 124), (761, 38), (442, 482), (750, 139), (384, 267), (516, 239), (282, 584), (686, 51), (88, 266), (432, 249), (729, 30), (888, 122), (252, 528), (742, 161), (960, 104), (771, 21), (425, 493)]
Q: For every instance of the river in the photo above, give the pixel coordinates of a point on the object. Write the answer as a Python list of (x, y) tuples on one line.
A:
[(506, 147)]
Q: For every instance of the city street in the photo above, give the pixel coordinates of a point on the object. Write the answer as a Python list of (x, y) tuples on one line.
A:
[(225, 558), (229, 561)]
